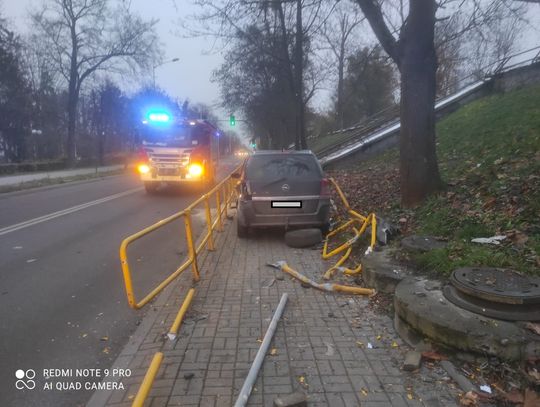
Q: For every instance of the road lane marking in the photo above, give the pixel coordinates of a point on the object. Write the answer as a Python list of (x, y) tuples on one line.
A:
[(45, 218)]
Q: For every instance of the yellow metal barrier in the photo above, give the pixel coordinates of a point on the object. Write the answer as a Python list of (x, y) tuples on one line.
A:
[(354, 218), (225, 188), (180, 316), (146, 385)]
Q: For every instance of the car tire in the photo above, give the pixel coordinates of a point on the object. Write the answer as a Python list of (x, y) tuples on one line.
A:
[(151, 187), (303, 237), (241, 231), (325, 229)]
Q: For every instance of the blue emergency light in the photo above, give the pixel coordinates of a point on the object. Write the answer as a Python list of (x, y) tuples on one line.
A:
[(157, 116)]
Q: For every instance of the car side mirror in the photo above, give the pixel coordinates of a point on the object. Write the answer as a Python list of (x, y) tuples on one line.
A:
[(235, 175)]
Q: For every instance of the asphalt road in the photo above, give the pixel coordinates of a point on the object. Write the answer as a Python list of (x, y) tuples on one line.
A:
[(62, 298)]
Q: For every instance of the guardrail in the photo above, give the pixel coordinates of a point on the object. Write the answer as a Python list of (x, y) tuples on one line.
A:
[(223, 194)]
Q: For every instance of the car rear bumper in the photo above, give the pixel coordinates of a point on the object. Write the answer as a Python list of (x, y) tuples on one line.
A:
[(248, 217)]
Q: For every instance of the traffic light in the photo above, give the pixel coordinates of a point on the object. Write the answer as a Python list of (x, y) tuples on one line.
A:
[(252, 143), (232, 120)]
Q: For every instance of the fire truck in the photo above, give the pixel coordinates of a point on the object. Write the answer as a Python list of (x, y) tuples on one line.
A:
[(176, 151)]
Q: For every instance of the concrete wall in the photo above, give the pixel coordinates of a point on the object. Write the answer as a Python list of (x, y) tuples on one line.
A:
[(517, 78)]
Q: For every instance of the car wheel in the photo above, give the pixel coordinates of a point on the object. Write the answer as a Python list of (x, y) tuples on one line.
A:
[(325, 229), (241, 231), (303, 237), (151, 187)]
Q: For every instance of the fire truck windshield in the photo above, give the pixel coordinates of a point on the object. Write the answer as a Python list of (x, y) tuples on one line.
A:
[(170, 136)]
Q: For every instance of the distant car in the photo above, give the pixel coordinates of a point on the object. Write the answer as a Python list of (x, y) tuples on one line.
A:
[(282, 188), (241, 153)]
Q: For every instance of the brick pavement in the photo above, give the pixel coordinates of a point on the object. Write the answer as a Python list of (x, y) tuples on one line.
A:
[(320, 344)]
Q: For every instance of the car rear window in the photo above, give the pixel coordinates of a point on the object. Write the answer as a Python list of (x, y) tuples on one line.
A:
[(262, 167)]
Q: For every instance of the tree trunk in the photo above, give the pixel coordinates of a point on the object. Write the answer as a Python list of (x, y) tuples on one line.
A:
[(72, 118), (418, 65), (73, 98), (301, 143)]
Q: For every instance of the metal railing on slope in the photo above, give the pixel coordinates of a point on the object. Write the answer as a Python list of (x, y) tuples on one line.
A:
[(389, 117)]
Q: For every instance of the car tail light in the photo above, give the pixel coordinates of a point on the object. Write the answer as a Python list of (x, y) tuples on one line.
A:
[(325, 187)]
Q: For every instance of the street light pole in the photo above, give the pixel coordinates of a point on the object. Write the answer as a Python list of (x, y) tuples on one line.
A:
[(157, 66)]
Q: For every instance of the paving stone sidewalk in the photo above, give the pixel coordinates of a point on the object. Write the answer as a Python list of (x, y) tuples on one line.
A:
[(321, 344)]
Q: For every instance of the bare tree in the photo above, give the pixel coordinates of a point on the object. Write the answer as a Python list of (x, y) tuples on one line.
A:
[(337, 31), (414, 54), (84, 36), (293, 22), (411, 44)]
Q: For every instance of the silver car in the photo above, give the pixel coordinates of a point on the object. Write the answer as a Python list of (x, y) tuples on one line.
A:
[(282, 188)]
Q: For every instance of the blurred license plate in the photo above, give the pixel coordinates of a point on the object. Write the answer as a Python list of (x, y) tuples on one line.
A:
[(286, 204)]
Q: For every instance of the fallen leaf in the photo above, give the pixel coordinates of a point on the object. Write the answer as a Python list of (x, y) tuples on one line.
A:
[(273, 352), (106, 350), (364, 391), (409, 396), (379, 337), (469, 399), (533, 327), (534, 374), (104, 338), (433, 355), (394, 344), (360, 344), (84, 335), (532, 398), (514, 396)]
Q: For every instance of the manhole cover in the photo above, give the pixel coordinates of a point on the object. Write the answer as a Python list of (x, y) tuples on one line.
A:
[(497, 310), (497, 285)]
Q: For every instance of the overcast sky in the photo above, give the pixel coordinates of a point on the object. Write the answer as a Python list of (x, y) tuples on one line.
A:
[(190, 76), (187, 78)]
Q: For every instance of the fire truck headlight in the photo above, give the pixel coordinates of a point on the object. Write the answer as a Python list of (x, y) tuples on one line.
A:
[(143, 168), (195, 170)]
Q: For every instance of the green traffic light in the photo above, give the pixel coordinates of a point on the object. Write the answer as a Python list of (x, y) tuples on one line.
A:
[(232, 120)]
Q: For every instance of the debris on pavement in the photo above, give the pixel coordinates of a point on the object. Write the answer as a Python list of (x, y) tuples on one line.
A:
[(485, 388), (461, 380), (296, 399), (412, 361)]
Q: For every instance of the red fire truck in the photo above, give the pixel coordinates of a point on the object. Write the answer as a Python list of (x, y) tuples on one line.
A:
[(176, 151)]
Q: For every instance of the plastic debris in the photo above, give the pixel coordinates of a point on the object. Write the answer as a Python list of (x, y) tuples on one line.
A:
[(369, 345), (489, 240), (485, 388)]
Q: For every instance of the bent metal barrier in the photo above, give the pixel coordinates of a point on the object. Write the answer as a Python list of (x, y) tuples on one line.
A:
[(223, 194)]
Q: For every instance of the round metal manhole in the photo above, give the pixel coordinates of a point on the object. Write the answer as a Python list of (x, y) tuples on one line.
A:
[(497, 310), (497, 285)]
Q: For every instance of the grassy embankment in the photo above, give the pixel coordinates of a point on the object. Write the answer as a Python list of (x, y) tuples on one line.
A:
[(489, 156)]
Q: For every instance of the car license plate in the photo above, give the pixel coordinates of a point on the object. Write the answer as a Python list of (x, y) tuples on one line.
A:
[(286, 204)]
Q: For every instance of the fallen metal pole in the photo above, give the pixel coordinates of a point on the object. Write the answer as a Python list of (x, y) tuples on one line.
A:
[(257, 363)]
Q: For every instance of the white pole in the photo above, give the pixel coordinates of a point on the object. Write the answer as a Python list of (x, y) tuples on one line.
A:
[(257, 363)]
